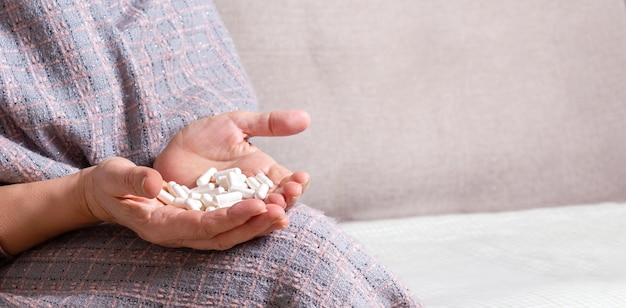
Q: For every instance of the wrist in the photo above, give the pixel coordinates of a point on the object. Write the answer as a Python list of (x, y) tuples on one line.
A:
[(82, 197), (37, 211)]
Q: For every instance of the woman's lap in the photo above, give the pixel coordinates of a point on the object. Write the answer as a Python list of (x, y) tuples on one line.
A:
[(312, 263)]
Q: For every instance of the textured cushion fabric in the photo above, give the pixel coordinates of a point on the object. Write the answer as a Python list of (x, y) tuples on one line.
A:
[(571, 256), (312, 264), (430, 107)]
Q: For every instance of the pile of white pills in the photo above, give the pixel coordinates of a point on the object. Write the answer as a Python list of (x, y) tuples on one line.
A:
[(216, 189)]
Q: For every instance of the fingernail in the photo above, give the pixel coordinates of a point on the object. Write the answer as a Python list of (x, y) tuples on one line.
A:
[(283, 221)]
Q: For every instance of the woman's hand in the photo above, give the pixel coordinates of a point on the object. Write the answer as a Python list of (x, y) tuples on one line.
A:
[(222, 142), (117, 190)]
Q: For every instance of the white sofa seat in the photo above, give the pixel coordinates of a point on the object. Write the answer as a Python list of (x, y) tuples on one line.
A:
[(572, 256)]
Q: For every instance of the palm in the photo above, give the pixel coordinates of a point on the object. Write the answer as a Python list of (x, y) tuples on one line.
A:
[(119, 191), (221, 142)]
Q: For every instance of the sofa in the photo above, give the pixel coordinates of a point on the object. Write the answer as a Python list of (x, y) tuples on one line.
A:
[(476, 147)]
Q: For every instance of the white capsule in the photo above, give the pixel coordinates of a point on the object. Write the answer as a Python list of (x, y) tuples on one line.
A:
[(207, 200), (204, 188), (195, 195), (228, 204), (186, 189), (179, 202), (205, 178), (262, 192), (215, 191), (234, 180), (227, 198), (179, 191), (222, 181), (165, 197), (264, 179), (246, 192), (253, 183), (224, 172), (193, 204), (170, 187)]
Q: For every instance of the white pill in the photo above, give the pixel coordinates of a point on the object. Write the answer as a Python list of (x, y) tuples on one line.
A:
[(246, 192), (215, 191), (253, 183), (230, 186), (227, 198), (264, 179), (195, 195), (228, 204), (234, 180), (186, 189), (193, 204), (170, 187), (165, 197), (205, 178), (222, 181), (204, 188), (180, 202), (207, 200), (225, 172), (262, 192), (179, 191)]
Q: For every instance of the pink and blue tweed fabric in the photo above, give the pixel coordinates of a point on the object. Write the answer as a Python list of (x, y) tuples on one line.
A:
[(310, 264), (81, 81), (85, 80)]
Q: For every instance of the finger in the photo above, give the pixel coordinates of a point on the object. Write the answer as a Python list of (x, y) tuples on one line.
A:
[(234, 216), (279, 174), (275, 227), (275, 218), (172, 226), (286, 196), (275, 198), (274, 123), (122, 177), (291, 191), (301, 177), (282, 224), (292, 187), (279, 224), (282, 175)]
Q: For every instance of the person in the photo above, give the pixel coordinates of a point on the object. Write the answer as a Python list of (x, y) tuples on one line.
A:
[(102, 103)]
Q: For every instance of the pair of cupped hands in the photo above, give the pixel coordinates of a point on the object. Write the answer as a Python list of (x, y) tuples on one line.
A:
[(119, 191)]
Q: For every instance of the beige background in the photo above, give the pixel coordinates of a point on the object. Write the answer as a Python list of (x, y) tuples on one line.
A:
[(430, 107)]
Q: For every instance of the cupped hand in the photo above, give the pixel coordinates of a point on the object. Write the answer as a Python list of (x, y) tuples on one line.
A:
[(117, 190), (221, 141)]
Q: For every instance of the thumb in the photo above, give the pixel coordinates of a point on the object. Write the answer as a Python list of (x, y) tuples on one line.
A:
[(123, 177)]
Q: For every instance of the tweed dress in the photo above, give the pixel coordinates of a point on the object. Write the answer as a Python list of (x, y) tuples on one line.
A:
[(81, 81)]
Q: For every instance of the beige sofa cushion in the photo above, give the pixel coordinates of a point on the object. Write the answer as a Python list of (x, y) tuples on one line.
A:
[(429, 107)]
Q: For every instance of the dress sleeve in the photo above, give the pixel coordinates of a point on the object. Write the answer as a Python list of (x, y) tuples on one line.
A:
[(19, 164)]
